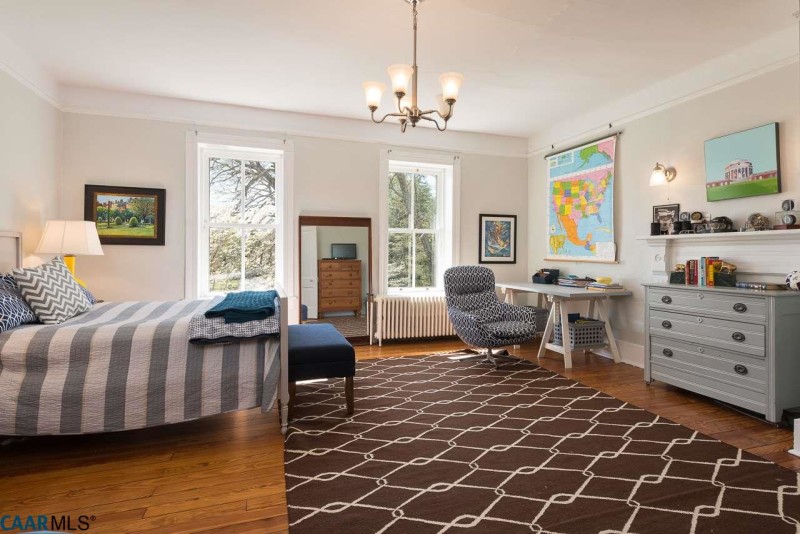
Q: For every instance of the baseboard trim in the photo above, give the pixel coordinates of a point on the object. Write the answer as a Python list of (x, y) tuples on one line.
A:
[(630, 353)]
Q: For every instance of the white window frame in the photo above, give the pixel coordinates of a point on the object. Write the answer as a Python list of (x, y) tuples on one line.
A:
[(447, 168), (201, 147)]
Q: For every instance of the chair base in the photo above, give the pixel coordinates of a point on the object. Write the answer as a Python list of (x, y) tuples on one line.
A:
[(494, 357)]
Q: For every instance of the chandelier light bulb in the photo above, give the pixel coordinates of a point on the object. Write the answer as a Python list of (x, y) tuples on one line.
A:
[(451, 84), (373, 91), (401, 76)]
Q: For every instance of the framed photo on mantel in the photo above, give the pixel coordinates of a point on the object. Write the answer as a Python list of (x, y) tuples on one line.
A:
[(498, 239), (126, 215)]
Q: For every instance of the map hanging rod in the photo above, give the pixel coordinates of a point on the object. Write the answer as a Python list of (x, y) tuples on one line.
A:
[(589, 142)]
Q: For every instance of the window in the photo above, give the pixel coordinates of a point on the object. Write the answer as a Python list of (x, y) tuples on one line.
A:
[(240, 201), (418, 223)]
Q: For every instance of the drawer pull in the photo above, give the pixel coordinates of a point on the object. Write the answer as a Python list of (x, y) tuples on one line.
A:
[(667, 353), (666, 324), (699, 319), (740, 307), (740, 369), (666, 299), (738, 336)]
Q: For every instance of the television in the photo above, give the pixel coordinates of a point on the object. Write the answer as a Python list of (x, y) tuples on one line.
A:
[(343, 251)]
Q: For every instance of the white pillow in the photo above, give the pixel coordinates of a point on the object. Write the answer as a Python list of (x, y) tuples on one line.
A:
[(51, 291)]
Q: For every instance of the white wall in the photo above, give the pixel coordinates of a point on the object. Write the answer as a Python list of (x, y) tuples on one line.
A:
[(30, 138), (332, 177), (675, 138)]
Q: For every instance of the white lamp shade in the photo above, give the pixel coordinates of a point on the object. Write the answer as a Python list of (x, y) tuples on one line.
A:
[(451, 84), (401, 76), (70, 237), (373, 91), (658, 177)]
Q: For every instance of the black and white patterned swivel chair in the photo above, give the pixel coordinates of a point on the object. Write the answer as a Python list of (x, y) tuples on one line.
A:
[(479, 318)]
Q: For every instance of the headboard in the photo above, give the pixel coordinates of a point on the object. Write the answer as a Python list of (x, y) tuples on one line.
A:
[(10, 251)]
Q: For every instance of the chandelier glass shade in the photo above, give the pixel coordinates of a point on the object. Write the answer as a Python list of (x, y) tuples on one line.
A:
[(404, 86)]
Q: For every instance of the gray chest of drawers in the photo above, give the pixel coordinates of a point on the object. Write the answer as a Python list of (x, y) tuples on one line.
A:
[(736, 345)]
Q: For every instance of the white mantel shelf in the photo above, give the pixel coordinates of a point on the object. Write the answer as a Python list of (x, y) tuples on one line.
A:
[(738, 237), (765, 253)]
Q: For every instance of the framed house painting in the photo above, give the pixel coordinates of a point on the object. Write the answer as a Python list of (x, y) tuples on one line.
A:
[(743, 164), (126, 215), (498, 239)]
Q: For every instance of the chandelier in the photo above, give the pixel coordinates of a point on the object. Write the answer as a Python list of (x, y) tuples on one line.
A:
[(407, 109)]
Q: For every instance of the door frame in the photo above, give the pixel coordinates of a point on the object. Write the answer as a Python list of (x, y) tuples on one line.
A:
[(325, 220)]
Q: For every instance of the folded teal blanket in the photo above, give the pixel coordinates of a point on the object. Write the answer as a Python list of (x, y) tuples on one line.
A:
[(245, 306)]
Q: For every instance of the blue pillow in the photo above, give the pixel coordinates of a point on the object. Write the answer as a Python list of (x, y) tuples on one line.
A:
[(14, 311), (88, 294)]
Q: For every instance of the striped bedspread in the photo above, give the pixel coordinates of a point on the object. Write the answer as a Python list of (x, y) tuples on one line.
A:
[(127, 365)]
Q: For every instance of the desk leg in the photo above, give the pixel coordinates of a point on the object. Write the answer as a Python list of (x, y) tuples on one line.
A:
[(602, 308), (589, 315), (548, 329), (511, 297), (565, 334)]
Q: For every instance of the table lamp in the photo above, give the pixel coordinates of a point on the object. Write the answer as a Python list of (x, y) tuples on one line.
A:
[(70, 239)]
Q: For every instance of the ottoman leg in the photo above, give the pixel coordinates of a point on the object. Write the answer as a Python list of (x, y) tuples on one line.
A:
[(348, 393)]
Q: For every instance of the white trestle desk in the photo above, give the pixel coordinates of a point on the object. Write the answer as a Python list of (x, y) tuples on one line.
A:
[(558, 295)]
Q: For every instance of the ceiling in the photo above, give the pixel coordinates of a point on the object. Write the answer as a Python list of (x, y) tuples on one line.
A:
[(527, 63)]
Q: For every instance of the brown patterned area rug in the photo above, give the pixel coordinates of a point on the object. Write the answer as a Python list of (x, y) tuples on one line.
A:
[(440, 445)]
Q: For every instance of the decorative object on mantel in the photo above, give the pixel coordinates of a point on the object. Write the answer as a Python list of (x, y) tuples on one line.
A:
[(666, 215), (757, 222), (498, 239), (126, 215), (580, 202), (721, 224), (401, 76), (793, 280), (787, 218), (743, 164)]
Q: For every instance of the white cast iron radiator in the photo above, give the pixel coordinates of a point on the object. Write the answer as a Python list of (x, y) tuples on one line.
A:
[(407, 317)]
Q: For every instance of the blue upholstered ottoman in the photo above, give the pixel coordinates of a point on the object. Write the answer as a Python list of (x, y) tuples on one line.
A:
[(316, 351)]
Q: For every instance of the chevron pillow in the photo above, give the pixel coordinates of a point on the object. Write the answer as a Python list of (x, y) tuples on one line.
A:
[(51, 291)]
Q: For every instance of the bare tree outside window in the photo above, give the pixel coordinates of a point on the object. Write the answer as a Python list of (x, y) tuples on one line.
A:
[(242, 219)]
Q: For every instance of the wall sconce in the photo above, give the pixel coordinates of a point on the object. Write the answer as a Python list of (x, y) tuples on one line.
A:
[(662, 175)]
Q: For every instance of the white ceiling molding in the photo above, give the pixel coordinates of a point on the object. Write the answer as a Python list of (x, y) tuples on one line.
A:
[(23, 68), (758, 58), (284, 123)]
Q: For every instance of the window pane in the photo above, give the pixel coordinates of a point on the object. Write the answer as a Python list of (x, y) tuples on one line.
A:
[(259, 260), (399, 260), (425, 201), (425, 275), (259, 192), (399, 199), (225, 190), (224, 259)]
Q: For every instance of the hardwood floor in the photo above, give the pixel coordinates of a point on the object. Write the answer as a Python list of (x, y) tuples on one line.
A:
[(226, 472)]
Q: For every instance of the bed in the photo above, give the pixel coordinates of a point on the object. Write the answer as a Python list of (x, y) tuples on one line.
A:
[(127, 365)]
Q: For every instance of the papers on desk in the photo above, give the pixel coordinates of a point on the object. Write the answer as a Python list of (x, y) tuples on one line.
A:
[(575, 282)]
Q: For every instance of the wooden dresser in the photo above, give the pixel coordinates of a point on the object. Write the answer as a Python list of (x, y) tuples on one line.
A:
[(736, 345), (339, 286)]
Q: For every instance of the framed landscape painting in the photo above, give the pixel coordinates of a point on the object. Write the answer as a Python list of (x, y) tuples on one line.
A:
[(498, 239), (743, 164), (126, 215)]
